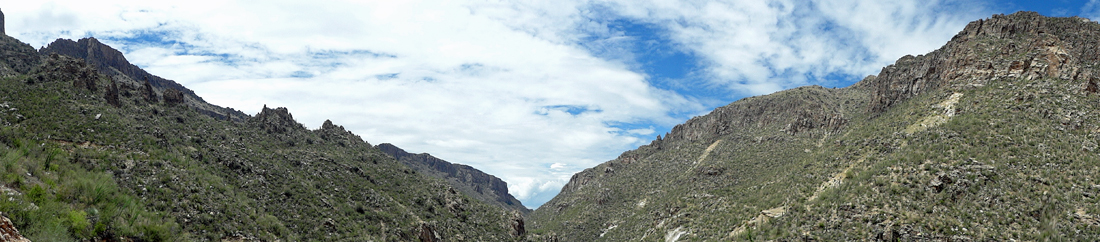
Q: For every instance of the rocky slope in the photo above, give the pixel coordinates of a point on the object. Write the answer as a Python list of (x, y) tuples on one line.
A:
[(112, 63), (94, 157), (991, 137), (465, 179)]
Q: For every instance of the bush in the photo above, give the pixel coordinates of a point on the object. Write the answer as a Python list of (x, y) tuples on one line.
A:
[(78, 224)]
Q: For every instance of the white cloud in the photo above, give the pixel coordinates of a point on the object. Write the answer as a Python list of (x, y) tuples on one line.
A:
[(524, 90), (1091, 10), (758, 47)]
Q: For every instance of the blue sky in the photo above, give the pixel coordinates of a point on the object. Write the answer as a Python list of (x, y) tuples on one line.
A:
[(531, 91)]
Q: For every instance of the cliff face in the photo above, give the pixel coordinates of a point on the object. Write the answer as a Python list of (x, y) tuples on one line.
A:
[(468, 180), (1023, 45), (987, 138), (111, 62)]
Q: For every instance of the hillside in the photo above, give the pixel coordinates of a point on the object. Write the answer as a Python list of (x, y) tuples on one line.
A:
[(991, 137), (89, 156), (112, 63), (472, 182)]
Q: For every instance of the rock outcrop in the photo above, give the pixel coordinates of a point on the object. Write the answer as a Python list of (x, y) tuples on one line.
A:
[(2, 23), (278, 120), (8, 233), (107, 60), (64, 68), (112, 95), (518, 228), (173, 96), (111, 62), (338, 135), (149, 93), (468, 180), (1031, 46), (18, 57)]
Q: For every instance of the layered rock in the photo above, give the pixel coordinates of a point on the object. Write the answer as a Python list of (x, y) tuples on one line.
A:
[(468, 180)]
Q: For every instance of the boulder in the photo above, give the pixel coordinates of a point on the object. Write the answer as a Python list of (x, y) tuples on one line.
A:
[(8, 233)]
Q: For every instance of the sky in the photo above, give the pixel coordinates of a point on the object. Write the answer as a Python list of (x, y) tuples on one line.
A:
[(531, 91)]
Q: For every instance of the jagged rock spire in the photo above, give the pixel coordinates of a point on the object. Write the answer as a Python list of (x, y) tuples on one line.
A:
[(2, 23)]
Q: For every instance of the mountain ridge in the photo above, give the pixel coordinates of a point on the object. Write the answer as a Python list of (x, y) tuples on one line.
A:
[(471, 181), (111, 62), (88, 155), (928, 149)]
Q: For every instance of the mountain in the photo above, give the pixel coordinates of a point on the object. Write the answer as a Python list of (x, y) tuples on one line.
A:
[(89, 154), (991, 137), (472, 182), (112, 63)]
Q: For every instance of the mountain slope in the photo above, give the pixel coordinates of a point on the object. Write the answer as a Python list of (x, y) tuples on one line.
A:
[(466, 179), (991, 137), (111, 62), (88, 157)]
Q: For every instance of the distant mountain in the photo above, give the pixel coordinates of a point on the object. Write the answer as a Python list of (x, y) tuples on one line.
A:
[(466, 179), (992, 137), (111, 62)]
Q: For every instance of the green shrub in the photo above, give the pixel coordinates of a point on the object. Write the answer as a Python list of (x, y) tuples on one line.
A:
[(78, 224)]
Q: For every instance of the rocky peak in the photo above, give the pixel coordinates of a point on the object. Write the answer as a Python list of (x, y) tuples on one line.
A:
[(1021, 45), (2, 23), (276, 120), (337, 133), (329, 126)]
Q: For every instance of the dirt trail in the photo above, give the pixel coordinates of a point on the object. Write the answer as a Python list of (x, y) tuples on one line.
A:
[(707, 151), (837, 179)]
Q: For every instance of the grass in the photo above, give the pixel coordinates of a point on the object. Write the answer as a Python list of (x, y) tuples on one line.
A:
[(61, 201)]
